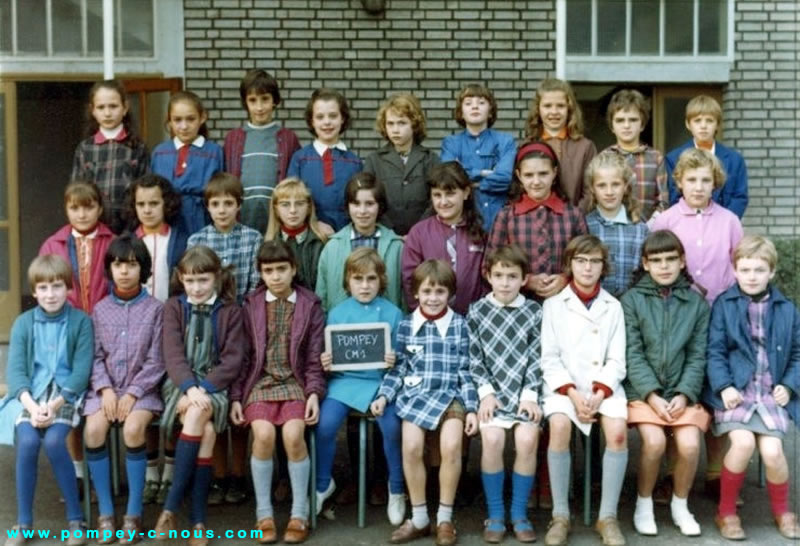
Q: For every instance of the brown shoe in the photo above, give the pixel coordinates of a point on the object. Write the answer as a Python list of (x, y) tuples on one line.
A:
[(610, 531), (788, 526), (19, 539), (77, 533), (493, 531), (132, 527), (523, 531), (730, 527), (106, 530), (166, 523), (268, 532), (557, 531), (407, 532), (198, 536), (445, 534), (296, 531)]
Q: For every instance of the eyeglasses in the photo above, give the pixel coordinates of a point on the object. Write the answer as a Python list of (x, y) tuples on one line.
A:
[(580, 260)]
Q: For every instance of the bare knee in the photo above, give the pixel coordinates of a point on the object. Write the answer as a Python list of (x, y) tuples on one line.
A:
[(742, 441), (133, 432), (95, 432), (525, 440), (772, 454), (412, 450), (560, 432), (654, 444), (295, 443), (493, 441)]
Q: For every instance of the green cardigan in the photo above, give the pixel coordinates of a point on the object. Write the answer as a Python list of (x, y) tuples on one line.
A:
[(666, 340), (330, 275)]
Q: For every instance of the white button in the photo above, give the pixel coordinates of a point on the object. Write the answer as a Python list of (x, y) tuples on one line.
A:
[(698, 272)]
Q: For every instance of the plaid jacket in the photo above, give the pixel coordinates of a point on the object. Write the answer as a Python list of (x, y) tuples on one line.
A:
[(432, 369), (112, 166), (542, 233), (239, 248), (624, 242), (650, 171), (504, 351)]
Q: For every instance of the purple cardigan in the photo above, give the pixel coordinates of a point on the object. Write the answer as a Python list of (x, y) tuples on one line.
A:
[(305, 343), (428, 240), (234, 148), (127, 333)]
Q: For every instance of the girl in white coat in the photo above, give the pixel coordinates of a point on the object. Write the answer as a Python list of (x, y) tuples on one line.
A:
[(583, 365)]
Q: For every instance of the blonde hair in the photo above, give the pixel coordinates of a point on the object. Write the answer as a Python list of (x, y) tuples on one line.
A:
[(49, 268), (696, 158), (289, 188), (703, 104), (82, 193), (533, 127), (611, 160), (404, 105), (756, 247)]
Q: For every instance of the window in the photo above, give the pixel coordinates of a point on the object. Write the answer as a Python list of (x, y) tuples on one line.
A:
[(645, 40)]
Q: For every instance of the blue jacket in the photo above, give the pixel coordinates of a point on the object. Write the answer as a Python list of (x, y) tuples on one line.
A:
[(733, 195), (732, 355)]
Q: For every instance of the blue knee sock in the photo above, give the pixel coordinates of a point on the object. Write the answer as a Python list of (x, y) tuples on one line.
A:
[(200, 487), (299, 472), (520, 491), (493, 489), (391, 428), (100, 470), (185, 462), (55, 446), (28, 443), (332, 414), (136, 467)]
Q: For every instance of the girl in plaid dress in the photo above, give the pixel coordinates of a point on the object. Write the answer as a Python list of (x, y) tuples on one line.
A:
[(432, 390), (49, 361), (126, 374), (203, 345), (112, 155)]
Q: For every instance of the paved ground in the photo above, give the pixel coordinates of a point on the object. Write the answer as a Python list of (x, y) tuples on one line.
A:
[(343, 531)]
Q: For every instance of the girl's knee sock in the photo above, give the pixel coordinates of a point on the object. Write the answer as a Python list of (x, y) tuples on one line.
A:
[(27, 456), (298, 476), (521, 486), (559, 463), (779, 497), (100, 471), (185, 462), (493, 489), (55, 446), (200, 487), (730, 483), (614, 465), (135, 467), (262, 483)]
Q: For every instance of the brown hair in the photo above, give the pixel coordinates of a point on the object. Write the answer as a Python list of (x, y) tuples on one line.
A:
[(276, 250), (611, 160), (366, 181), (475, 90), (289, 188), (450, 175), (625, 99), (82, 193), (127, 120), (535, 150), (49, 268), (361, 260), (585, 244), (194, 100), (696, 158), (261, 82), (201, 259), (221, 184), (404, 105), (658, 242), (509, 256), (438, 271), (327, 94), (171, 198), (756, 247), (533, 127)]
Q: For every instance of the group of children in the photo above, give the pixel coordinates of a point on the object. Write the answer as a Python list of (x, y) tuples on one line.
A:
[(545, 284)]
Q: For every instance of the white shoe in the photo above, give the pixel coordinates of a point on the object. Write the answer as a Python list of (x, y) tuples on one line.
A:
[(396, 508), (644, 521), (685, 521), (325, 495)]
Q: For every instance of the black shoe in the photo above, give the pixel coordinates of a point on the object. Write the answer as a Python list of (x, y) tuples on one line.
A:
[(216, 493), (237, 490)]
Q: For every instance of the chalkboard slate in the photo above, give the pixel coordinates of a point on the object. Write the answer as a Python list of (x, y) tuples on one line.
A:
[(358, 346)]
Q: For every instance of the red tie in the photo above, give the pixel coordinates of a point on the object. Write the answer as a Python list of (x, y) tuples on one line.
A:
[(327, 167), (183, 156)]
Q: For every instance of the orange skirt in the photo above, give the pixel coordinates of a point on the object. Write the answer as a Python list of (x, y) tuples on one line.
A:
[(641, 413)]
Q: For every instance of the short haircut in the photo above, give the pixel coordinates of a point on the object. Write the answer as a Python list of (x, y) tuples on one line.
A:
[(756, 247), (327, 94), (404, 105), (126, 248), (222, 184), (661, 241), (703, 104), (82, 193), (261, 82), (366, 181), (362, 260), (274, 251), (509, 256), (625, 99), (475, 90), (696, 158), (438, 271), (49, 268), (585, 244), (172, 199)]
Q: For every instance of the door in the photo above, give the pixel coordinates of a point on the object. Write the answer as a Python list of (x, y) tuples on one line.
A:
[(9, 212)]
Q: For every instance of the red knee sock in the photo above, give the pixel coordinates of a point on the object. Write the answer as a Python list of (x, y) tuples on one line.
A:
[(779, 497), (730, 485)]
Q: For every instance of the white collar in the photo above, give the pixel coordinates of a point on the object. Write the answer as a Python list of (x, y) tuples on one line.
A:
[(321, 148), (354, 234), (78, 234), (620, 218), (442, 324), (112, 134), (262, 127), (209, 301), (272, 297), (198, 142), (516, 302)]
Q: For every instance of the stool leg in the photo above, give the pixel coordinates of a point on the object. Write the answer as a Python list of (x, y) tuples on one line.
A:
[(587, 480), (762, 479), (362, 471), (114, 456), (312, 454)]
